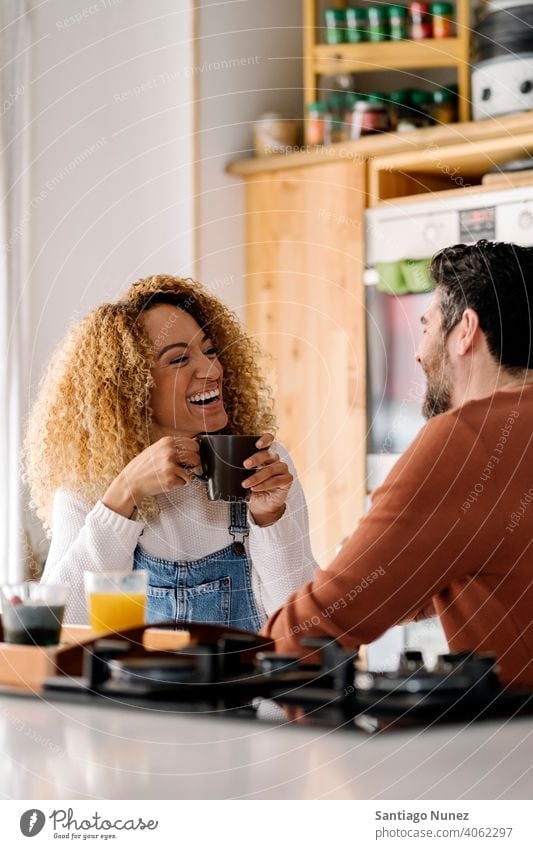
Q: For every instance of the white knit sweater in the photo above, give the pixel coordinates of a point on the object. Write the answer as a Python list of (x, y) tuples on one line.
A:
[(188, 527)]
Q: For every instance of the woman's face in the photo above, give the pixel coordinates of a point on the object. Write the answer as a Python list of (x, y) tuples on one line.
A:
[(187, 396)]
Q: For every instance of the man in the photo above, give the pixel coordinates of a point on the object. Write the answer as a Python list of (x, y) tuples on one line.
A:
[(450, 530)]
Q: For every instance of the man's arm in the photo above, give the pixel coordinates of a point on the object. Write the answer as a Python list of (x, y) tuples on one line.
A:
[(413, 542)]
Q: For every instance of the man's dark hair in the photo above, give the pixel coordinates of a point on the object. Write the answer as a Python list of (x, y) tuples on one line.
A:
[(496, 280)]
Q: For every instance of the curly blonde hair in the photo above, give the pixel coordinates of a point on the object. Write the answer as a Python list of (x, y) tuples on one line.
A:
[(92, 413)]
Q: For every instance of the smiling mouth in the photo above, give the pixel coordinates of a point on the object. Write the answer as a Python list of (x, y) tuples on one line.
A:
[(204, 399)]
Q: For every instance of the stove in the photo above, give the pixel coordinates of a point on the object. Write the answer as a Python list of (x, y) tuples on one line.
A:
[(236, 674)]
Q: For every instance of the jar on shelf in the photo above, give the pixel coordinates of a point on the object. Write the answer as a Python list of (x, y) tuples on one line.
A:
[(421, 107), (335, 20), (406, 125), (442, 17), (377, 23), (369, 118), (399, 103), (377, 97), (356, 25), (444, 109), (398, 19), (350, 99), (420, 26), (273, 133), (339, 82), (315, 120), (335, 129)]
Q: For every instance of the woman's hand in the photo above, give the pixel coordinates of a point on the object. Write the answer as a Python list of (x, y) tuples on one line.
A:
[(269, 485), (163, 466)]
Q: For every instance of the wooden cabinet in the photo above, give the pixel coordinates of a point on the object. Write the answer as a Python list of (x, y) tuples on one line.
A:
[(439, 168), (305, 306), (366, 57)]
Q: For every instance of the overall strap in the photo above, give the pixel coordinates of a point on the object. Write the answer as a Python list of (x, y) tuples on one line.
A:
[(239, 528)]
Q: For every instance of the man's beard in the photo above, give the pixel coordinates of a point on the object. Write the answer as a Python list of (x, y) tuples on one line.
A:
[(438, 397)]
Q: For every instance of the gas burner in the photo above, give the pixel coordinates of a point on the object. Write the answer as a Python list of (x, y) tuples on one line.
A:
[(233, 672)]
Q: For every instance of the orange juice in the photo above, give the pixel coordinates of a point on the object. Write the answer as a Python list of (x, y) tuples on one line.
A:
[(116, 611)]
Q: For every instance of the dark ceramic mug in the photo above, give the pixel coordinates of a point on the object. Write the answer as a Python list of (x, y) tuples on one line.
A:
[(222, 457)]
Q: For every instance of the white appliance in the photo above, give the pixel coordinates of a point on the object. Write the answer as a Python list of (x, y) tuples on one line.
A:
[(502, 86), (502, 60), (417, 230)]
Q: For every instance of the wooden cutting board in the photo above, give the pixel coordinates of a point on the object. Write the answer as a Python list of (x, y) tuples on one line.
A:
[(24, 668), (154, 638)]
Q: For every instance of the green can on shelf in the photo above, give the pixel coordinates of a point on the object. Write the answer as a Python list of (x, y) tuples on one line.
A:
[(402, 97), (442, 14), (315, 120), (335, 20), (335, 127), (356, 25), (351, 98), (377, 97), (422, 102), (378, 23), (398, 22), (444, 108), (420, 98), (399, 105)]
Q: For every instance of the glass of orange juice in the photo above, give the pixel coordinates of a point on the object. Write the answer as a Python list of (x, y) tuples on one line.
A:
[(116, 600)]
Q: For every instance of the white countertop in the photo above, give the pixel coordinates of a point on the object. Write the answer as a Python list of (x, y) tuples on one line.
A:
[(60, 750)]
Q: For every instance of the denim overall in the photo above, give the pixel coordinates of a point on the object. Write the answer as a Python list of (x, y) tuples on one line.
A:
[(216, 589)]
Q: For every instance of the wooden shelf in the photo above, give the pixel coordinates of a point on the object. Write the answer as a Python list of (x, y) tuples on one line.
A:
[(517, 127), (332, 59), (507, 181), (445, 167), (367, 57)]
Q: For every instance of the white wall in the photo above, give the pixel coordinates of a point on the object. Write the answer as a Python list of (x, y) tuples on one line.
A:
[(110, 188), (266, 37), (111, 179)]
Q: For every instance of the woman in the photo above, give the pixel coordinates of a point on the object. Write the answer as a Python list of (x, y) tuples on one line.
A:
[(111, 453)]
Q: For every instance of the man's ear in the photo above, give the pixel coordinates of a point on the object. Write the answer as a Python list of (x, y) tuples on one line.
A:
[(467, 332)]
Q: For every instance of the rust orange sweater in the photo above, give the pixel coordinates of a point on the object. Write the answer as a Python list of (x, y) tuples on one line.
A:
[(451, 527)]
